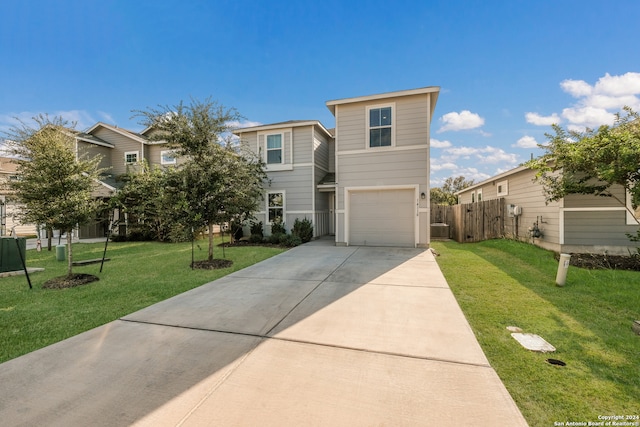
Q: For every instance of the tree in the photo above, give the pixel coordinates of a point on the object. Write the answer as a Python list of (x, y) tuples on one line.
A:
[(445, 195), (593, 161), (144, 198), (215, 183), (55, 182)]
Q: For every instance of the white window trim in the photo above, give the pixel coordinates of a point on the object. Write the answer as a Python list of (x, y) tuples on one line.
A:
[(162, 154), (127, 153), (266, 149), (287, 157), (479, 195), (391, 105), (505, 188), (284, 205)]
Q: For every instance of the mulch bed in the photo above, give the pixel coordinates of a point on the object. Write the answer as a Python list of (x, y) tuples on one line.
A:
[(213, 264), (606, 262), (71, 281)]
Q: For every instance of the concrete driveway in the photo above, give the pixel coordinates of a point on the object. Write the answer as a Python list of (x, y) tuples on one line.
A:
[(319, 335)]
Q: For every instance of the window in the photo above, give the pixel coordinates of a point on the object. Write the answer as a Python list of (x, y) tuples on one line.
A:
[(480, 195), (276, 207), (130, 157), (274, 149), (167, 157), (473, 197), (380, 127), (503, 188)]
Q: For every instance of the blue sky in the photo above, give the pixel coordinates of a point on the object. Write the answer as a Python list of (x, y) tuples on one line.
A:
[(506, 69)]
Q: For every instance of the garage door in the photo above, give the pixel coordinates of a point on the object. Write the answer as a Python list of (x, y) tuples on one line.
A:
[(382, 218)]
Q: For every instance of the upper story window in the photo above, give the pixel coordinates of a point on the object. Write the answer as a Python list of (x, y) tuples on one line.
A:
[(130, 157), (380, 127), (274, 149), (503, 188), (479, 195), (168, 157)]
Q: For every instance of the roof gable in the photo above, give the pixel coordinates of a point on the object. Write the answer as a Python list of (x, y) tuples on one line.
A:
[(433, 90)]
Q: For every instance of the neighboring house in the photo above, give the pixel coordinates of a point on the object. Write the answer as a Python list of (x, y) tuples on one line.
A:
[(121, 150), (8, 171), (575, 224), (367, 182)]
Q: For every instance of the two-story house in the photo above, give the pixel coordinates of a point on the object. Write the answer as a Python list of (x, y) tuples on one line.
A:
[(366, 182)]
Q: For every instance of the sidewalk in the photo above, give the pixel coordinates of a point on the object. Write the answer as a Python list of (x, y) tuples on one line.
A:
[(319, 335)]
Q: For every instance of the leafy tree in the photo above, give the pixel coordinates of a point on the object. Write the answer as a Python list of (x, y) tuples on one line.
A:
[(55, 182), (445, 195), (215, 183), (593, 161), (144, 199)]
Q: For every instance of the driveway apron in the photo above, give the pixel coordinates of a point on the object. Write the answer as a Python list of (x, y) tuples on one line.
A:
[(319, 335)]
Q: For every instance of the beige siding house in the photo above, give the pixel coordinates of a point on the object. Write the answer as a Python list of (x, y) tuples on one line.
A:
[(574, 224), (8, 207), (296, 154), (366, 182)]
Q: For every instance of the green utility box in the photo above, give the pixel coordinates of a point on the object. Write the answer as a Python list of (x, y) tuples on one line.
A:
[(61, 253), (9, 255)]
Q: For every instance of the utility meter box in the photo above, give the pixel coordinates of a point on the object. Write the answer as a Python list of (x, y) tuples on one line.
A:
[(9, 256)]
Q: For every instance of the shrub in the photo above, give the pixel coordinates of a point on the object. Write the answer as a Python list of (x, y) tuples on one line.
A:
[(277, 227), (256, 229), (256, 238), (289, 240), (303, 229), (275, 238)]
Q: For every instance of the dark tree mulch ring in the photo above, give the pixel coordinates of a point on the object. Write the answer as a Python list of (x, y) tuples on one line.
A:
[(605, 262), (213, 264), (71, 281)]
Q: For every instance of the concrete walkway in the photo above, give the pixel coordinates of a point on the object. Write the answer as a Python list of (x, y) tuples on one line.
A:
[(319, 335)]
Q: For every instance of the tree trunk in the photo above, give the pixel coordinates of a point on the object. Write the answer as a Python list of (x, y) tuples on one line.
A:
[(210, 242), (49, 238), (69, 239)]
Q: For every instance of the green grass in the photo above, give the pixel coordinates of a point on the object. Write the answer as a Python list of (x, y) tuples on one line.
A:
[(500, 283), (138, 275)]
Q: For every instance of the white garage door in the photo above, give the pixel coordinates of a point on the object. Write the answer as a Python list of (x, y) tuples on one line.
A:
[(382, 218)]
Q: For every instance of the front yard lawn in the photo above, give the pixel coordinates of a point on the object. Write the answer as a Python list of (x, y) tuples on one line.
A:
[(138, 275), (502, 283)]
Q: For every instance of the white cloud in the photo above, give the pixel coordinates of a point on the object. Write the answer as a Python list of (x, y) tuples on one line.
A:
[(538, 120), (593, 117), (463, 120), (626, 84), (576, 88), (595, 104), (82, 119), (440, 144), (106, 117), (526, 142), (237, 124)]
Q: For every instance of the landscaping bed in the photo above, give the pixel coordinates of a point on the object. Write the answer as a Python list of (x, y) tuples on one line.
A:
[(603, 261)]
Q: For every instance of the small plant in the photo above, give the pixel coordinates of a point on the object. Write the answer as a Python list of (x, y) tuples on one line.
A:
[(303, 230), (256, 238), (256, 229), (274, 239), (635, 238), (289, 240), (277, 227)]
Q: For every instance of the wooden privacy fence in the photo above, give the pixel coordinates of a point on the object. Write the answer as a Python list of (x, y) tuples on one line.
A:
[(472, 222)]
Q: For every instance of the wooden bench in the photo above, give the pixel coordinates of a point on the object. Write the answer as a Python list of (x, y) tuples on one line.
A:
[(89, 261)]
